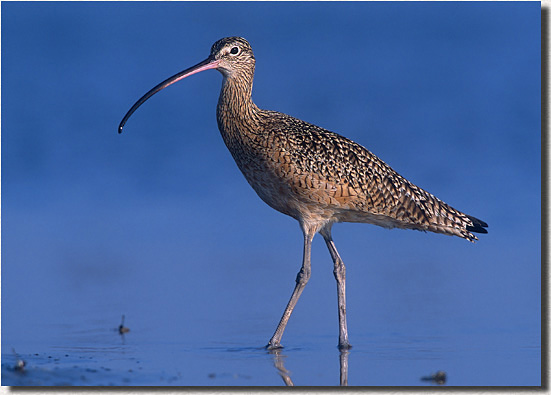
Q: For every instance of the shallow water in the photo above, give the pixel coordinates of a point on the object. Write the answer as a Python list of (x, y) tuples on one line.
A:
[(217, 337), (158, 224), (378, 361)]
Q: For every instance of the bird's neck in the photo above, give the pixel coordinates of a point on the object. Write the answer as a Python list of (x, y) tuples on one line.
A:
[(237, 115)]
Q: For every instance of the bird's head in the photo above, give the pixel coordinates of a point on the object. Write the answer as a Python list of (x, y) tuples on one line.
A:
[(232, 56)]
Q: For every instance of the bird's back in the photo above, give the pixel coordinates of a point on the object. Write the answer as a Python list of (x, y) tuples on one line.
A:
[(316, 175)]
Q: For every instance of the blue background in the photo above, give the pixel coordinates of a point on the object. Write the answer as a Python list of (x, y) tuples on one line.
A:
[(159, 224)]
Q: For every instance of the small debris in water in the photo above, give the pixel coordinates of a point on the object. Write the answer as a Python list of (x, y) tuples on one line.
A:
[(122, 328), (19, 363), (438, 377)]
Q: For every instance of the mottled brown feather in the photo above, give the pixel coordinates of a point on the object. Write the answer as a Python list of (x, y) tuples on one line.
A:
[(318, 176)]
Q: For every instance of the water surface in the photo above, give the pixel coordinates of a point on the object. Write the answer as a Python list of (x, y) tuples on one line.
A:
[(159, 225)]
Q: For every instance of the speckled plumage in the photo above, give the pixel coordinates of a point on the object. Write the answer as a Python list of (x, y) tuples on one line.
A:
[(317, 176)]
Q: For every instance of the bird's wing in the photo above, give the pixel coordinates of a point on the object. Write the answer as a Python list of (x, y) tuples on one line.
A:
[(347, 176)]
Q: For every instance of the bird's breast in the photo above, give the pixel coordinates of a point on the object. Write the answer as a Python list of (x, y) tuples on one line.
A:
[(285, 174), (273, 172)]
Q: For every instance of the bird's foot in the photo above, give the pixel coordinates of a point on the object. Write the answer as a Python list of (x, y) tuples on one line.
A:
[(345, 346), (274, 346)]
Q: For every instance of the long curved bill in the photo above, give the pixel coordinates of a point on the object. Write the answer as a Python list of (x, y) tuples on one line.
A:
[(207, 64)]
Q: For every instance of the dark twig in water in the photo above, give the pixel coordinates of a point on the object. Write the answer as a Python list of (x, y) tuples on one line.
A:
[(122, 328), (438, 377)]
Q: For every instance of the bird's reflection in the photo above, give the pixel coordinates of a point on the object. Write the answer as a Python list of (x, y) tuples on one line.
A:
[(278, 363), (343, 358), (279, 358)]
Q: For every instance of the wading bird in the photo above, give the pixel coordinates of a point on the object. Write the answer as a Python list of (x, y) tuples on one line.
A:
[(311, 174)]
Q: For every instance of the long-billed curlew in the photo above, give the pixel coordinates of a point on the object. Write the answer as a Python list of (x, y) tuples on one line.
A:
[(311, 174)]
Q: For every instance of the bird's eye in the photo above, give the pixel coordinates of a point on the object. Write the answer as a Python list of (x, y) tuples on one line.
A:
[(234, 51)]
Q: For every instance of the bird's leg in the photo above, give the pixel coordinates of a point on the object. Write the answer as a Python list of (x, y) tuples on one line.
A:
[(302, 278), (340, 275), (343, 359)]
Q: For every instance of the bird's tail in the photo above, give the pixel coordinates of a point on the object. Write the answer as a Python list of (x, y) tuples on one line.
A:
[(477, 226)]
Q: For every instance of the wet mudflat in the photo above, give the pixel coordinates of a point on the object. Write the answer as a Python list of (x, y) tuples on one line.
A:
[(232, 365), (83, 348), (159, 225)]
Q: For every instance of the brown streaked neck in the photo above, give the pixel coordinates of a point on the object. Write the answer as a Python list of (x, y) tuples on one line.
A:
[(236, 112)]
